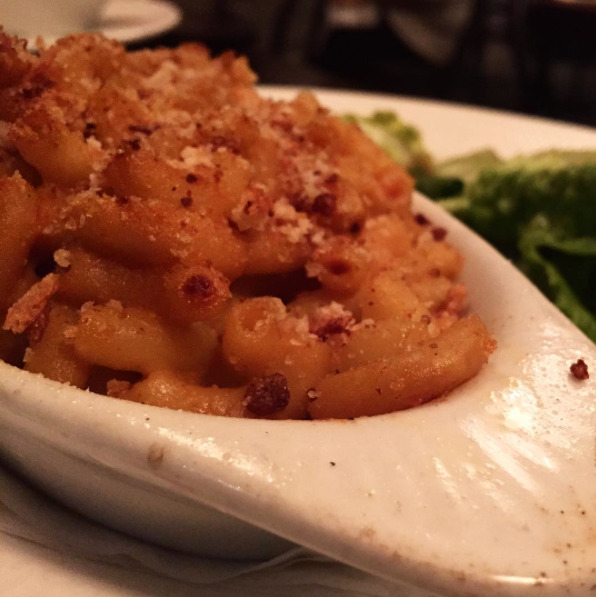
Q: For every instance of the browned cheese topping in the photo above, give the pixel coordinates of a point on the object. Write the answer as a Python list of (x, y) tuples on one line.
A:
[(267, 395), (170, 237)]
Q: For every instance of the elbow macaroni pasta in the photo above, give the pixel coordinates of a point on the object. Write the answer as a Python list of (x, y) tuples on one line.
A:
[(169, 237)]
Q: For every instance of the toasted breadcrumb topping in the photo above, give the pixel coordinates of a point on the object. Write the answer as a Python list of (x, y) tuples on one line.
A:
[(24, 312), (161, 200)]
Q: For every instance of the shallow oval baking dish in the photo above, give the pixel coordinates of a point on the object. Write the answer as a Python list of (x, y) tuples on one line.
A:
[(488, 491)]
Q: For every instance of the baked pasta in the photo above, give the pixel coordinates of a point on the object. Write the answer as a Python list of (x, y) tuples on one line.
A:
[(168, 236)]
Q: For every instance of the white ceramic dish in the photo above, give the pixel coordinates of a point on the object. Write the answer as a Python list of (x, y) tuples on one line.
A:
[(59, 16), (488, 492), (129, 21)]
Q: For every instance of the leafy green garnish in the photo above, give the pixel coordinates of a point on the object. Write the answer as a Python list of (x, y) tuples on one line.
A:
[(565, 270), (503, 199), (467, 167), (401, 141), (540, 211), (438, 187)]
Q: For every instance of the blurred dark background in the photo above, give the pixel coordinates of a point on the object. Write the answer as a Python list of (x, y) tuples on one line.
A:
[(530, 56)]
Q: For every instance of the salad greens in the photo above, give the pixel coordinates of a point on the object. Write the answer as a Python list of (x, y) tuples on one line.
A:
[(539, 210), (401, 141)]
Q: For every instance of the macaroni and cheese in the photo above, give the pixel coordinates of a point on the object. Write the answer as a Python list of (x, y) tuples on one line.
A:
[(170, 237)]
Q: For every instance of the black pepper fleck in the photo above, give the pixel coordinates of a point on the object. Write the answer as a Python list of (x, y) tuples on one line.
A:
[(355, 228), (422, 219), (90, 128)]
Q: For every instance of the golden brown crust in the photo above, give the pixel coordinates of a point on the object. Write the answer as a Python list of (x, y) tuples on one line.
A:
[(161, 182), (25, 311)]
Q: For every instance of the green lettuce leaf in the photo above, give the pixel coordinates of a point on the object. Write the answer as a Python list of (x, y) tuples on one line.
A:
[(564, 268), (540, 211), (401, 141)]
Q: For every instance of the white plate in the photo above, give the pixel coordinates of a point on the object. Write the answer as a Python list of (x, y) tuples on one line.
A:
[(488, 492), (131, 20)]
